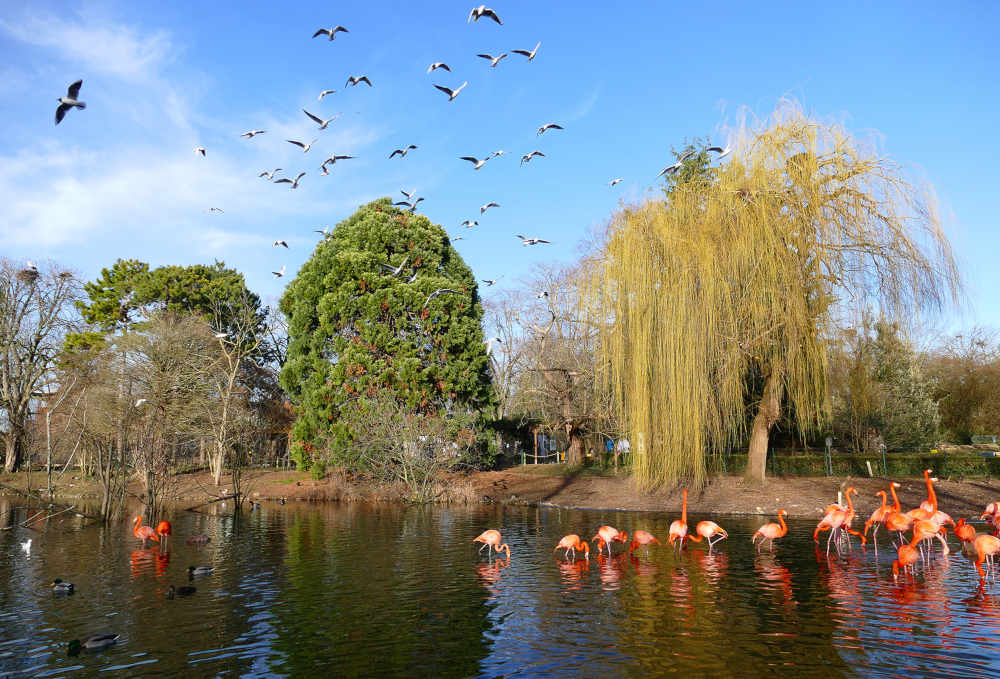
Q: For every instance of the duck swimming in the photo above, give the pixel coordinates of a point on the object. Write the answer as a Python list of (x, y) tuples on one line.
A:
[(98, 642), (200, 570), (60, 587), (184, 590)]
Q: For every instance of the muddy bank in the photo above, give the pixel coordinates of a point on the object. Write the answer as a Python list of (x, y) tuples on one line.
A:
[(552, 485)]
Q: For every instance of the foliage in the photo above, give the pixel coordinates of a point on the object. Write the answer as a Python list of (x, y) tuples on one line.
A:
[(745, 274), (965, 371), (356, 330), (898, 465)]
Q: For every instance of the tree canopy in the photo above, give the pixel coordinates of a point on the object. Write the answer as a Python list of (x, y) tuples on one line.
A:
[(743, 275), (385, 305)]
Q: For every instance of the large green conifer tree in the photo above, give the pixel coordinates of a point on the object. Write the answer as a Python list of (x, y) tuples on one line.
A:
[(359, 332)]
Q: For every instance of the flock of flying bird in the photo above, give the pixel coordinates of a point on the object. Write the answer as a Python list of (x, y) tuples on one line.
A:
[(71, 100), (926, 522)]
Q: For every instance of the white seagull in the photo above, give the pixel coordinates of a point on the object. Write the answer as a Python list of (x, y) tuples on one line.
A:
[(438, 64), (455, 238), (402, 152), (487, 207), (542, 295), (526, 158), (475, 161), (332, 32), (532, 241), (469, 223), (324, 93), (252, 133), (269, 175), (548, 126), (483, 11), (279, 274), (324, 231), (216, 209), (69, 101), (279, 242), (408, 194), (615, 181), (397, 270), (332, 160), (498, 153), (305, 147), (670, 169), (411, 205), (319, 121), (30, 266), (492, 341), (450, 92), (200, 149), (495, 60), (354, 80), (440, 291), (140, 402), (723, 152), (323, 171), (531, 54), (490, 282), (294, 182)]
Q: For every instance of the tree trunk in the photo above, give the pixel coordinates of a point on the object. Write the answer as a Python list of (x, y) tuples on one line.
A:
[(767, 414), (14, 448), (574, 454)]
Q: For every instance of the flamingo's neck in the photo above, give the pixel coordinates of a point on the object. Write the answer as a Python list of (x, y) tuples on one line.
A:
[(885, 504), (896, 507), (684, 509), (784, 526)]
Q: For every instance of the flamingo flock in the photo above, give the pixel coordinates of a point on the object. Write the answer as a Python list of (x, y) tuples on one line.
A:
[(927, 523)]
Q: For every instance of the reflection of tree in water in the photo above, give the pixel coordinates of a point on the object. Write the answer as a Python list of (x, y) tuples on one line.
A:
[(369, 594)]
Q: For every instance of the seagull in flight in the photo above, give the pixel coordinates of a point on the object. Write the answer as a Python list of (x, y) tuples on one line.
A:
[(332, 160), (490, 282), (324, 231), (723, 152), (492, 341), (531, 54), (319, 121), (532, 241), (269, 175), (438, 64), (526, 158), (495, 60), (450, 92), (483, 11), (279, 242), (408, 194), (252, 133), (548, 126), (324, 93), (469, 223), (542, 295), (332, 32), (398, 270), (413, 277), (215, 209), (412, 206), (201, 150), (354, 80), (69, 101), (475, 161), (279, 274), (670, 169), (487, 207), (402, 152), (323, 171), (498, 153), (294, 182), (440, 291), (615, 181), (305, 147), (455, 238)]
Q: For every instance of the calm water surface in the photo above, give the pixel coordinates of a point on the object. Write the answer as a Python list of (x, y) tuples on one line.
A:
[(349, 590)]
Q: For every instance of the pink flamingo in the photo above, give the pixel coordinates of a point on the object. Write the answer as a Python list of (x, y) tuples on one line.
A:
[(679, 528), (491, 539), (708, 530), (571, 543), (606, 535), (987, 546), (877, 518), (771, 531), (641, 538), (164, 530), (144, 533)]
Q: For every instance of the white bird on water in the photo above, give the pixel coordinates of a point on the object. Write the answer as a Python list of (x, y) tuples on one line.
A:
[(305, 147), (269, 175), (548, 126), (332, 32), (324, 93), (354, 80), (438, 64), (450, 92), (279, 274), (475, 161), (279, 242), (319, 121), (487, 207), (495, 60), (483, 11), (531, 54), (252, 133), (294, 182), (532, 241), (69, 101)]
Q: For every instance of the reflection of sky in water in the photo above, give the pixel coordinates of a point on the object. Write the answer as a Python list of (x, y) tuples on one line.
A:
[(401, 591)]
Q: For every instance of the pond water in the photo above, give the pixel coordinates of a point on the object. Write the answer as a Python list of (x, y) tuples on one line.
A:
[(351, 590)]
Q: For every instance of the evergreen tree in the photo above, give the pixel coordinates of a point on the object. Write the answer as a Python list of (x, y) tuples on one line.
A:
[(359, 331)]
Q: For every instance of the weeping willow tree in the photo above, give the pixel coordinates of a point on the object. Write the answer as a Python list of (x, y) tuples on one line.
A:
[(737, 281)]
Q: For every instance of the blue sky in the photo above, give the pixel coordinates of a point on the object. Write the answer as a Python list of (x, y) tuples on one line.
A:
[(626, 80)]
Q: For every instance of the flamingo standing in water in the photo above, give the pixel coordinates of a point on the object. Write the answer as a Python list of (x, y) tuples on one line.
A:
[(164, 530), (641, 538), (708, 530), (987, 546), (571, 543), (897, 522), (771, 531), (838, 518), (606, 535), (992, 511), (906, 557), (877, 518), (491, 539), (964, 531), (144, 533), (679, 528)]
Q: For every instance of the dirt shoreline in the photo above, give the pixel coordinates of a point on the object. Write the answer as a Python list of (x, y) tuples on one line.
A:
[(557, 487)]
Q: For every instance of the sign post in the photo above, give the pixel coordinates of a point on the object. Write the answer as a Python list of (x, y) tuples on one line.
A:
[(829, 457)]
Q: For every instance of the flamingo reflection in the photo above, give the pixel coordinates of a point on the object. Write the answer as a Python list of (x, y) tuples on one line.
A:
[(775, 577), (713, 565), (490, 573), (610, 571), (573, 572), (142, 560)]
